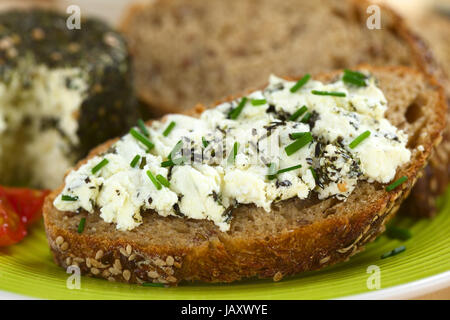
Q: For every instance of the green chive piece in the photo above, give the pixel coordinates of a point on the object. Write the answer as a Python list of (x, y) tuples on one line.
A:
[(328, 93), (306, 117), (350, 79), (393, 252), (143, 128), (81, 225), (313, 172), (396, 183), (258, 102), (299, 143), (355, 78), (155, 182), (289, 169), (355, 74), (141, 138), (163, 180), (232, 156), (297, 135), (100, 165), (143, 163), (272, 172), (135, 160), (398, 233), (298, 113), (205, 143), (359, 139), (300, 83), (65, 197), (167, 163), (151, 284), (398, 250), (169, 128), (237, 111)]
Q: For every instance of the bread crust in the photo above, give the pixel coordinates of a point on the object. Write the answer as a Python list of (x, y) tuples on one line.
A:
[(226, 258)]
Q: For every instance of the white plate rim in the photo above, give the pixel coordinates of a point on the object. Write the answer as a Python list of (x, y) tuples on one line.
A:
[(408, 290)]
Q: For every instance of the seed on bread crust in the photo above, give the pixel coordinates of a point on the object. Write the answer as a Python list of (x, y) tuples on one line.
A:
[(95, 271), (170, 260), (129, 249), (99, 255), (277, 276), (126, 274), (64, 246), (59, 240)]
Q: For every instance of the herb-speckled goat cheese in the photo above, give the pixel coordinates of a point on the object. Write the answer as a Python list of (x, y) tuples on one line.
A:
[(272, 145)]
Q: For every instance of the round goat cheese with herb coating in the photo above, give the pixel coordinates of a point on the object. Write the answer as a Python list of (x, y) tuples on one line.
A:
[(62, 92)]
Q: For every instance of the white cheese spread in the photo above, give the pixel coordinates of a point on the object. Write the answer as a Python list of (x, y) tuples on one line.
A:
[(39, 110), (273, 145)]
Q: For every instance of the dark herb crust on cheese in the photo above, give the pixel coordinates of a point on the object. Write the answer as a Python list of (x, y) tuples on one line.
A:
[(42, 37)]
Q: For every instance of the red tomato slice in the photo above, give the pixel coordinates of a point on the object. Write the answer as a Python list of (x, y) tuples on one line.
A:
[(26, 202), (12, 229)]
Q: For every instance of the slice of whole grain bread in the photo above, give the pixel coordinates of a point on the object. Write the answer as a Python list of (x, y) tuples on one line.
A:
[(297, 235), (188, 52)]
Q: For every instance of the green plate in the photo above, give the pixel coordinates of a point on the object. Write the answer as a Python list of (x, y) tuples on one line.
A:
[(27, 269)]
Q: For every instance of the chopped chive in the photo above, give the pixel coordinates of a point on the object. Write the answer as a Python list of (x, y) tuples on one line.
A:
[(298, 113), (167, 163), (163, 180), (328, 93), (151, 284), (205, 143), (100, 165), (258, 102), (300, 83), (169, 128), (289, 169), (355, 74), (65, 197), (306, 117), (155, 182), (393, 252), (297, 135), (141, 138), (232, 156), (81, 225), (354, 80), (398, 233), (272, 172), (398, 250), (135, 160), (143, 128), (143, 163), (298, 144), (396, 183), (359, 139), (234, 113), (313, 172)]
